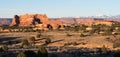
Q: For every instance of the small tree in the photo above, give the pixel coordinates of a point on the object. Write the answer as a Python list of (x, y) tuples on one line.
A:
[(68, 34), (25, 43), (104, 50), (42, 52), (4, 48), (38, 35), (21, 54), (76, 28), (48, 40), (116, 43), (38, 30), (82, 35), (32, 40)]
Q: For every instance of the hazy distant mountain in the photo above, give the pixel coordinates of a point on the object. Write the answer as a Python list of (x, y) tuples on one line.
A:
[(65, 20), (72, 20), (106, 16), (5, 21)]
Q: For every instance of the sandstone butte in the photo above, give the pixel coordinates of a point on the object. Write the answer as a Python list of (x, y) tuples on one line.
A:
[(40, 20)]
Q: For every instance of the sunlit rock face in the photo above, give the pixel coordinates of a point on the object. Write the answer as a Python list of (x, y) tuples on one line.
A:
[(29, 19), (34, 19)]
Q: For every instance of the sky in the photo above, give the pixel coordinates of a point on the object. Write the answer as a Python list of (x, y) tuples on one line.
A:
[(59, 8)]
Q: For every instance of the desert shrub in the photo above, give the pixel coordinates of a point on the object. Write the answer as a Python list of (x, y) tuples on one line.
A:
[(108, 38), (71, 43), (66, 44), (48, 40), (104, 50), (108, 31), (74, 43), (76, 28), (117, 53), (82, 35), (116, 43), (21, 54), (42, 51), (4, 48), (27, 30), (25, 43), (92, 31), (32, 40), (68, 34), (83, 43), (49, 26), (67, 28), (38, 35), (38, 30)]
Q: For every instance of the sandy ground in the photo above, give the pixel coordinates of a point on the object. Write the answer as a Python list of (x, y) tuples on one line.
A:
[(60, 38)]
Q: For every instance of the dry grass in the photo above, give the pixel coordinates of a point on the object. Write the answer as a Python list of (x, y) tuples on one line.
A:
[(60, 38)]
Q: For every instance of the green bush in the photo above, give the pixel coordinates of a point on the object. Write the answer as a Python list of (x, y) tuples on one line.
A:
[(74, 43), (71, 43), (32, 40), (25, 43), (21, 54), (39, 31), (38, 35), (27, 30), (67, 44), (68, 34), (4, 48), (42, 51), (48, 40), (116, 43), (82, 35), (104, 50)]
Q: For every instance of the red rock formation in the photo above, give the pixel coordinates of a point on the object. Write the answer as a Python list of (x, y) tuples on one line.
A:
[(34, 19), (29, 19), (106, 22)]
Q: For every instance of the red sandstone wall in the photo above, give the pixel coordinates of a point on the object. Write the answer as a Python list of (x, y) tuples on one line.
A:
[(28, 19)]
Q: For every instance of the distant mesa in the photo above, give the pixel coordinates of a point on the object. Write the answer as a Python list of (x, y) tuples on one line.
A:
[(5, 21), (41, 20)]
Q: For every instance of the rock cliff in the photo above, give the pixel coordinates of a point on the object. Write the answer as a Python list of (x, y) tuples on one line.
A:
[(29, 19), (34, 19)]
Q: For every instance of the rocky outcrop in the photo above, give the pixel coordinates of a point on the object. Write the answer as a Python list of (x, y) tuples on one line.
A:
[(34, 19), (29, 19)]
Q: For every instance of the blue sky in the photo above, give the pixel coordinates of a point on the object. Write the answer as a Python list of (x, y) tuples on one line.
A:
[(59, 8)]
